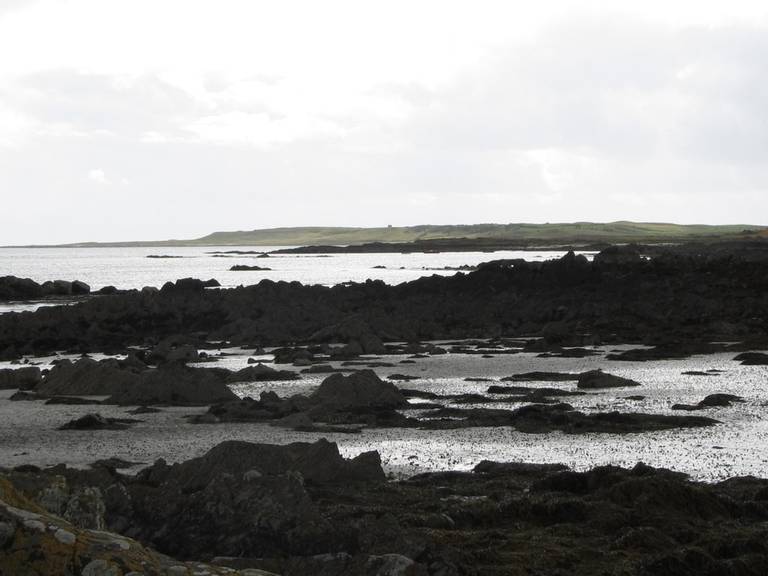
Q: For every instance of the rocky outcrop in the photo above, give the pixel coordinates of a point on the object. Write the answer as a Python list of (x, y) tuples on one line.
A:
[(670, 299), (359, 398)]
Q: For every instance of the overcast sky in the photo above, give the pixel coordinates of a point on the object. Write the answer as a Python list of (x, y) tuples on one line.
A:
[(149, 119)]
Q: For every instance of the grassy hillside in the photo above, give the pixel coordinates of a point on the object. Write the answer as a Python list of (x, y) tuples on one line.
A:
[(579, 231), (560, 233)]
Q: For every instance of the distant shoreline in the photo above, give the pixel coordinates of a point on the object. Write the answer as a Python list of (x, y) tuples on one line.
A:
[(518, 236)]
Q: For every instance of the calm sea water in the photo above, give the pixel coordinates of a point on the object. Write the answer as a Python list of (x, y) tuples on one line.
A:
[(130, 267)]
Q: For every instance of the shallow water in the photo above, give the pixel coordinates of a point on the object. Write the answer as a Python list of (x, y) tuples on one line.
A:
[(737, 446)]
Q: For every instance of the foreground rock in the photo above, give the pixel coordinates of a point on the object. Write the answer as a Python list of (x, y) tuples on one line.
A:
[(302, 509), (35, 541)]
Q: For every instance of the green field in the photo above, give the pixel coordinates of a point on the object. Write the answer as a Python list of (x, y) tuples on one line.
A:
[(561, 233)]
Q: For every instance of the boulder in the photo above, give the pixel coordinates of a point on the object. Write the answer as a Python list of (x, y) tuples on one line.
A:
[(596, 379), (80, 288), (358, 391)]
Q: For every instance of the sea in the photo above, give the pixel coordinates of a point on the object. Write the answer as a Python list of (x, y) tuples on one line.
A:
[(136, 267)]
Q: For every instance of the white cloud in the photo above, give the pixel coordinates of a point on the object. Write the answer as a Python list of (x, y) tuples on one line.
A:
[(395, 112), (98, 175)]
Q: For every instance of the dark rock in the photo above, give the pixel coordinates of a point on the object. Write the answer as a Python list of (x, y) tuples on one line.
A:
[(80, 288), (144, 410), (402, 377), (518, 468), (98, 422), (87, 377), (262, 373), (595, 379), (713, 400), (362, 390), (13, 288), (752, 358), (541, 377), (72, 401), (20, 378), (176, 385), (245, 268)]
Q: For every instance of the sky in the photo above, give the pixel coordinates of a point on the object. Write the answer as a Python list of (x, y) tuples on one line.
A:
[(148, 119)]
